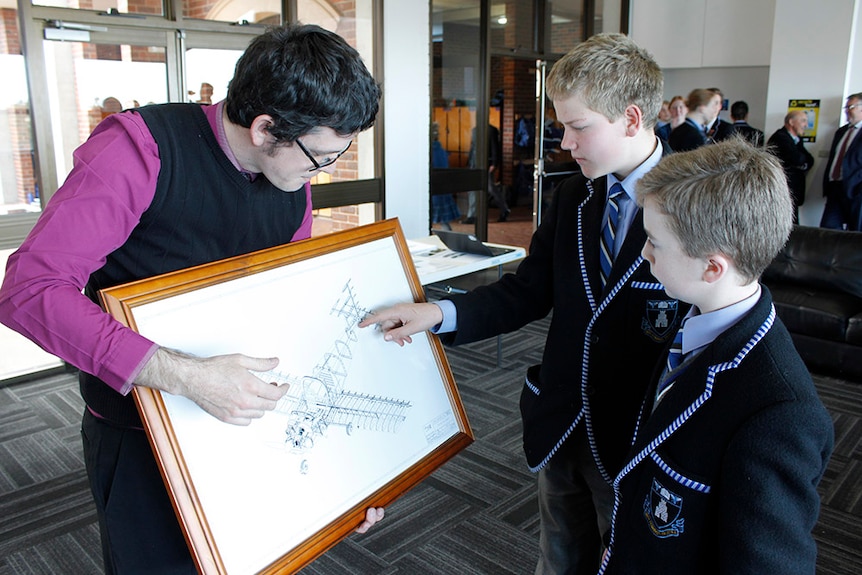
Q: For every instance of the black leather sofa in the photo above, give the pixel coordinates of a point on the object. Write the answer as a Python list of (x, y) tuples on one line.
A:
[(816, 283)]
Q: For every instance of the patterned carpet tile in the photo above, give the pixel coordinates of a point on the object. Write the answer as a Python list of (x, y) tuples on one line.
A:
[(36, 458), (73, 553), (42, 511), (839, 543)]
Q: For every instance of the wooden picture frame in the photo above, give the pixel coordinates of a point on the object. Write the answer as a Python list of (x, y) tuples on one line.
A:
[(363, 421)]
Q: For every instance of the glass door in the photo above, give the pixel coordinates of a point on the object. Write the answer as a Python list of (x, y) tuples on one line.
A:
[(88, 81), (458, 144), (19, 191), (79, 76)]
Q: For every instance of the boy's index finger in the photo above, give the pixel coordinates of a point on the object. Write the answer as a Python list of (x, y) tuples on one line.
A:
[(368, 320)]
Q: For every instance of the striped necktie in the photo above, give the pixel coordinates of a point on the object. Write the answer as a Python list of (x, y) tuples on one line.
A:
[(674, 356), (835, 175), (674, 359), (609, 231)]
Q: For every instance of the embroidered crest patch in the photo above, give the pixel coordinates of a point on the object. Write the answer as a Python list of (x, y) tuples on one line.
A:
[(662, 510), (659, 318)]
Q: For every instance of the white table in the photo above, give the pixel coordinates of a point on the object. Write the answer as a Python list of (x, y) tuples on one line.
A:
[(435, 263)]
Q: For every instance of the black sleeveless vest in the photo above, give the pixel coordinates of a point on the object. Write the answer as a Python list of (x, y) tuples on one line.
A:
[(204, 210)]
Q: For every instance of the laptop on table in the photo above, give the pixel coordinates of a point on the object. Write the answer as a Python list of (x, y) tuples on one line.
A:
[(468, 243)]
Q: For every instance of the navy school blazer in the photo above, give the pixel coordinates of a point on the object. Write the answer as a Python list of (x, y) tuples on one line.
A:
[(601, 344), (722, 476)]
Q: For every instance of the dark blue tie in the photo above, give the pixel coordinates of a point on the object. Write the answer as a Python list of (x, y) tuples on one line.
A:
[(674, 358), (609, 231)]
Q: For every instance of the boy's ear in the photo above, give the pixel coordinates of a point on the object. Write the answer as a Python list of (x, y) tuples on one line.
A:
[(717, 266), (634, 120), (259, 129)]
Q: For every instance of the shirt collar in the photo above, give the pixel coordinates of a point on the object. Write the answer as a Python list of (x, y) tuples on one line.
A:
[(631, 180), (702, 329), (695, 124), (215, 117)]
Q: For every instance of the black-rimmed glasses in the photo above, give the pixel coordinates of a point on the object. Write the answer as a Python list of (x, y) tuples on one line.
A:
[(324, 163)]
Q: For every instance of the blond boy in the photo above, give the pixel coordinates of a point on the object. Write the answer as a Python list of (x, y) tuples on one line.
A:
[(611, 318), (732, 441)]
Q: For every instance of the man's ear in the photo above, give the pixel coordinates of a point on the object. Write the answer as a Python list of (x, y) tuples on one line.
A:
[(717, 266), (634, 120), (259, 129)]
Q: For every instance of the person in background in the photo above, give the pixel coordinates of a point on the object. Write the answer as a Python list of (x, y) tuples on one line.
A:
[(718, 129), (842, 180), (739, 115), (786, 143), (611, 318), (495, 188), (206, 93), (732, 440), (663, 127), (162, 188), (678, 111), (444, 209), (703, 107)]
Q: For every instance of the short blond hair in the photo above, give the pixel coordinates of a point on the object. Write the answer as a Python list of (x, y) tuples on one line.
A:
[(609, 72), (729, 198)]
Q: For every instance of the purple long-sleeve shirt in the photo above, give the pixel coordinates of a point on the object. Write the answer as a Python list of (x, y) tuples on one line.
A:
[(112, 183)]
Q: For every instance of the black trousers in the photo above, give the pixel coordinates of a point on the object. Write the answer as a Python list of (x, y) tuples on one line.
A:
[(139, 530)]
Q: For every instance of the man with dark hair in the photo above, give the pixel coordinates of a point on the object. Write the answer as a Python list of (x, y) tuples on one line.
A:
[(739, 115), (786, 143), (167, 187)]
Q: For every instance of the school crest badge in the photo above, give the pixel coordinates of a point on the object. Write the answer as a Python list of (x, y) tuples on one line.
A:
[(662, 510), (659, 318)]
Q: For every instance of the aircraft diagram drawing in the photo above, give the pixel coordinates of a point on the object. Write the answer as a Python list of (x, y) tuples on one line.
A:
[(321, 399)]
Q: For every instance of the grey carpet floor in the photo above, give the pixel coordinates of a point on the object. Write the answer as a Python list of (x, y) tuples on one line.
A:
[(474, 515)]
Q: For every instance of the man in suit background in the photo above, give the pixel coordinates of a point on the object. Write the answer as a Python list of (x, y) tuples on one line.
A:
[(739, 115), (842, 180), (786, 144)]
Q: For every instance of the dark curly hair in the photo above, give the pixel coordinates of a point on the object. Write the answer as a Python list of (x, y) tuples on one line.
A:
[(305, 77)]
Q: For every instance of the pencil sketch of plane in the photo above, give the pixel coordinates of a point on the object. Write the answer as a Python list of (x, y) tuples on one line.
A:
[(318, 401)]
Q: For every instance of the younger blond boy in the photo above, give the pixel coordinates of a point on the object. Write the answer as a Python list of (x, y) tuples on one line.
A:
[(732, 438)]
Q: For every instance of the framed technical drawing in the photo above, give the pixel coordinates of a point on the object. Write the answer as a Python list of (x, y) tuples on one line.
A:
[(363, 420)]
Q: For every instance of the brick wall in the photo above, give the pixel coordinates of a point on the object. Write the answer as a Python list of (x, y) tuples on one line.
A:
[(197, 8), (9, 40), (19, 135)]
